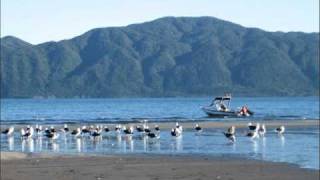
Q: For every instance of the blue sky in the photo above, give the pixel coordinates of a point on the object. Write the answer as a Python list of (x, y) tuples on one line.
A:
[(38, 21)]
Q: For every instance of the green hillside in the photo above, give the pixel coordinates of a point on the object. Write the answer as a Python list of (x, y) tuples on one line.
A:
[(166, 57)]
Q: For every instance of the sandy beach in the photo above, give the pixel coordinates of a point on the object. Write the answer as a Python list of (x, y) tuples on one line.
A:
[(41, 166)]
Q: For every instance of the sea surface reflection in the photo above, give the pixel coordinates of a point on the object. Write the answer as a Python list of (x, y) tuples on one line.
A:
[(298, 146)]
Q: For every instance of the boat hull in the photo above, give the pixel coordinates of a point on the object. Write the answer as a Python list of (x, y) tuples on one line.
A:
[(215, 113)]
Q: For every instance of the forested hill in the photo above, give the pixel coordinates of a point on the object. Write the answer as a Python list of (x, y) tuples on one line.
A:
[(170, 56)]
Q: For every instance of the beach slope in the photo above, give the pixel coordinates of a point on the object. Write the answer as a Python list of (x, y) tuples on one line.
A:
[(142, 167)]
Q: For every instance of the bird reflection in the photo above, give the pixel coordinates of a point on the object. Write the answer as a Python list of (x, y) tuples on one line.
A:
[(78, 144), (53, 145), (264, 146), (39, 144), (11, 143), (27, 145), (177, 144), (153, 144), (197, 142), (255, 146), (129, 143), (144, 143), (282, 140), (118, 138)]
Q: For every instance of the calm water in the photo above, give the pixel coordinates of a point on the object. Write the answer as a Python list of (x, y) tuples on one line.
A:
[(298, 145), (154, 109)]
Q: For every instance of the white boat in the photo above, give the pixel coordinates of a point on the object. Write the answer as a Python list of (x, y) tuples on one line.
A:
[(220, 107)]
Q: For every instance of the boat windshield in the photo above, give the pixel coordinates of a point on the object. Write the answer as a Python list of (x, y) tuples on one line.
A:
[(221, 103)]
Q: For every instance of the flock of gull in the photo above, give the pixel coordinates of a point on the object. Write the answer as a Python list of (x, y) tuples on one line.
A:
[(254, 131)]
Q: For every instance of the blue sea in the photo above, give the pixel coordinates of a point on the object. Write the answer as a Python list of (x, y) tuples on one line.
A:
[(298, 146), (154, 109)]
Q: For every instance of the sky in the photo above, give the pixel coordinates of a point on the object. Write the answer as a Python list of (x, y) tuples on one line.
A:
[(38, 21)]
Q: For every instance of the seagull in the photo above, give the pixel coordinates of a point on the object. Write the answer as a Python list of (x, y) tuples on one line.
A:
[(140, 128), (96, 132), (157, 128), (22, 132), (198, 128), (52, 135), (65, 128), (253, 127), (91, 127), (231, 130), (85, 130), (147, 129), (280, 130), (179, 127), (153, 135), (52, 129), (118, 128), (252, 134), (76, 132), (47, 131), (230, 134), (175, 132), (106, 129), (8, 131), (128, 130), (262, 130), (38, 129), (28, 133)]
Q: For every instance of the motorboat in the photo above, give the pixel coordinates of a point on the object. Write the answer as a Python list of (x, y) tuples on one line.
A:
[(220, 107)]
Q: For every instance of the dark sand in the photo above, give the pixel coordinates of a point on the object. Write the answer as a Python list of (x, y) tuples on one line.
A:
[(49, 167)]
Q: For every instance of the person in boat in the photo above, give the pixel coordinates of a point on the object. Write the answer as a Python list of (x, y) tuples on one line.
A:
[(244, 111), (223, 107)]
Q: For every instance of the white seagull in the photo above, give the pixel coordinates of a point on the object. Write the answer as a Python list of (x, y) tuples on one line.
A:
[(198, 128), (253, 134), (230, 134), (128, 130), (38, 129), (52, 135), (118, 128), (8, 131), (156, 127), (28, 133), (65, 128), (76, 132), (175, 132), (179, 127), (262, 130), (280, 130), (253, 127)]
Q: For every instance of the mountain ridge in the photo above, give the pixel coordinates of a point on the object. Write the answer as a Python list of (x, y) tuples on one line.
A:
[(169, 56)]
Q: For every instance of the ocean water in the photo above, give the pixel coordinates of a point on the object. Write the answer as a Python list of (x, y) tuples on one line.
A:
[(298, 146), (154, 109)]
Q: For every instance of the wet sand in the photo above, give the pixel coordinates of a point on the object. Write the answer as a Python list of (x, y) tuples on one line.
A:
[(144, 167), (153, 167)]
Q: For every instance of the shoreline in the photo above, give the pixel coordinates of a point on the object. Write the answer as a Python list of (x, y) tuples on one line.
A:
[(190, 124), (39, 165)]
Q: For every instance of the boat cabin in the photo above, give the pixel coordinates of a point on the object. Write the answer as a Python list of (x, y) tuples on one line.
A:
[(222, 103)]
